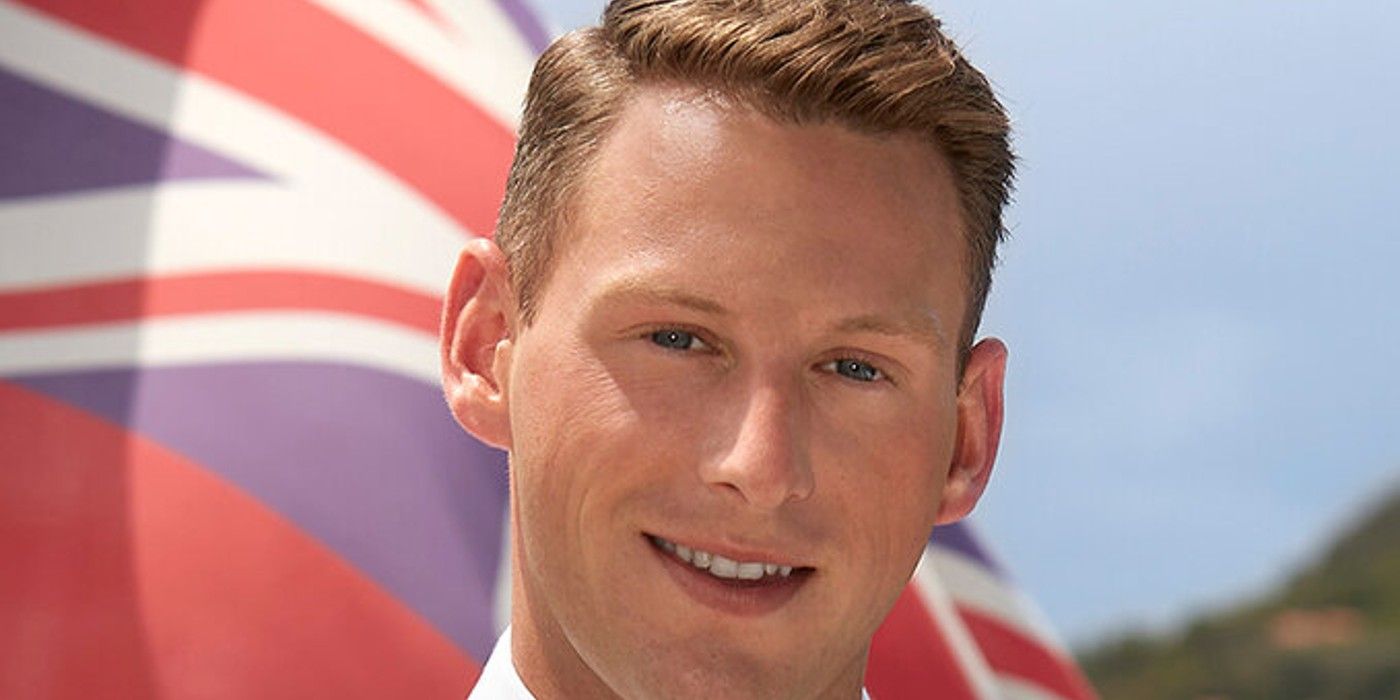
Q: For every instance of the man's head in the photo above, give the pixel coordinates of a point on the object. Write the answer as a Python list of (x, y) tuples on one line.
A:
[(877, 67), (725, 343)]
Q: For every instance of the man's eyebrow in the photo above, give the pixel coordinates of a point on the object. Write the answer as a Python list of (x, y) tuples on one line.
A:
[(921, 326), (634, 290)]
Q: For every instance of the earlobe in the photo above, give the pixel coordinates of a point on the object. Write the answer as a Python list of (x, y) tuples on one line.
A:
[(980, 414), (477, 320)]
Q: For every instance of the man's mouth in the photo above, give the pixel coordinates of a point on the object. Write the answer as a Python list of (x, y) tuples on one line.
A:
[(724, 567)]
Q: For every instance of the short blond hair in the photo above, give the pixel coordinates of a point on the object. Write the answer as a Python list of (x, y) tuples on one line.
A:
[(875, 66)]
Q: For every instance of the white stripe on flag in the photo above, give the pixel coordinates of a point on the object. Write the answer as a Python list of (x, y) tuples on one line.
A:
[(234, 337), (972, 585), (1009, 688), (211, 115), (191, 226), (477, 19), (970, 660)]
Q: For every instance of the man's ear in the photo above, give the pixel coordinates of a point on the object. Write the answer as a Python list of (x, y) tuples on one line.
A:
[(477, 320), (980, 413)]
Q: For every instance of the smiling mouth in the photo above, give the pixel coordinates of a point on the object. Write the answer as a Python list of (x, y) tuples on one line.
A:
[(721, 567)]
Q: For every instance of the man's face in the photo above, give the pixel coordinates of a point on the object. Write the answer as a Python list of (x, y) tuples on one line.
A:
[(745, 355)]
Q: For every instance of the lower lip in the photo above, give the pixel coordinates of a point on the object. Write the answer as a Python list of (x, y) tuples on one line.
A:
[(742, 597)]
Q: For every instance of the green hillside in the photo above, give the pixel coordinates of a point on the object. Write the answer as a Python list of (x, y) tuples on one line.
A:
[(1330, 633)]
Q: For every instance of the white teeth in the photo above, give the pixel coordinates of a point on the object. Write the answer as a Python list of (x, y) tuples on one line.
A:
[(722, 567), (750, 570)]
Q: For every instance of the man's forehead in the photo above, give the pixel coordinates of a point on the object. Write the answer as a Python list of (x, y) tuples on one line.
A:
[(662, 129), (680, 158), (668, 126)]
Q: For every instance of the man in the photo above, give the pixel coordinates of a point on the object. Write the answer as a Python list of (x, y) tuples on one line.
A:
[(725, 333)]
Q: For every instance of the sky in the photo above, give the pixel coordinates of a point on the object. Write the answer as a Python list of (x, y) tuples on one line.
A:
[(1198, 293)]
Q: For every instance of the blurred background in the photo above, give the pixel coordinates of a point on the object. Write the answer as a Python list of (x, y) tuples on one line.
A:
[(224, 224)]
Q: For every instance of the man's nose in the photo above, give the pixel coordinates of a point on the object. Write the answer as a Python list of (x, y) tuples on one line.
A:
[(768, 463)]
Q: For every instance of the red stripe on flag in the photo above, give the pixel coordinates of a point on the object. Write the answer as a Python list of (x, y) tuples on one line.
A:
[(910, 658), (70, 620), (1011, 653), (325, 72), (132, 298), (132, 572)]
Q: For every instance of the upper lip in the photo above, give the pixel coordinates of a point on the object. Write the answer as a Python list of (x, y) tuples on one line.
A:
[(739, 553)]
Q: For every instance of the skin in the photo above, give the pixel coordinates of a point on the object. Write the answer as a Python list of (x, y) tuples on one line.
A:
[(801, 403)]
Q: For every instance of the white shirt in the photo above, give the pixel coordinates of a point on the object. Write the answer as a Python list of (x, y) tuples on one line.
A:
[(500, 681)]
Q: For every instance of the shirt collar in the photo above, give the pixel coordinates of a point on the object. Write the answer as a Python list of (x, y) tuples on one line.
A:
[(500, 681)]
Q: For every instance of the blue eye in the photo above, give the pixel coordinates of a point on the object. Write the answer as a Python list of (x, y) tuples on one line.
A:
[(857, 370), (675, 340)]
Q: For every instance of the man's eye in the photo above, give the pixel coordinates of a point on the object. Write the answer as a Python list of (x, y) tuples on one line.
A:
[(857, 370), (677, 340)]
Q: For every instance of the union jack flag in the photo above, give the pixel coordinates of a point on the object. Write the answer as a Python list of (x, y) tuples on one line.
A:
[(225, 466)]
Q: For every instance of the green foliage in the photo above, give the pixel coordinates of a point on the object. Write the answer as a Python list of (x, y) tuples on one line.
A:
[(1244, 653)]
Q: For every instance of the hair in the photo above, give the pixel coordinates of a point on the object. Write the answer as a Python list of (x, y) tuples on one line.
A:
[(874, 66)]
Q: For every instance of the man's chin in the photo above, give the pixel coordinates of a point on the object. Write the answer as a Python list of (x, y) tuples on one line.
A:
[(704, 671), (693, 653)]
